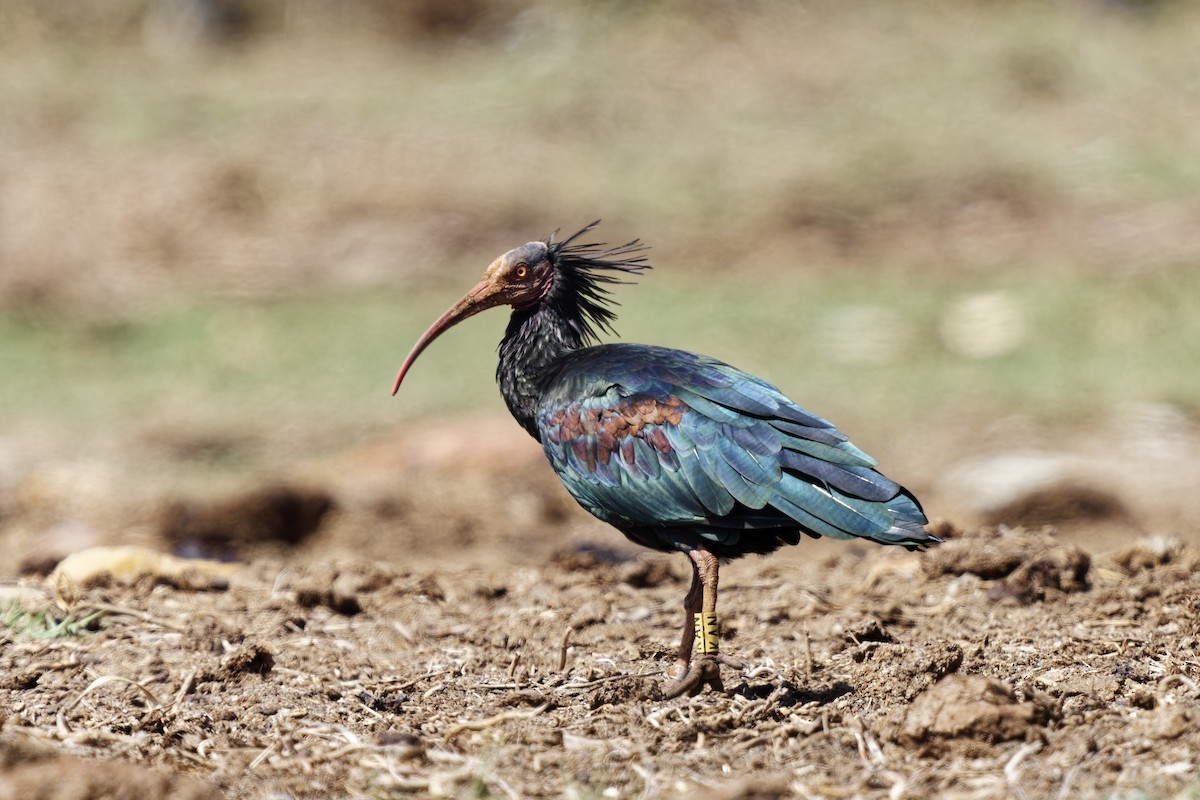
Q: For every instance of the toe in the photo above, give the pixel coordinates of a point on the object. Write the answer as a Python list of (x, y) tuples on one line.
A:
[(704, 671)]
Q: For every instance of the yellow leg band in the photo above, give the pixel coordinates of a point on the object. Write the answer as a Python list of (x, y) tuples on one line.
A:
[(708, 636)]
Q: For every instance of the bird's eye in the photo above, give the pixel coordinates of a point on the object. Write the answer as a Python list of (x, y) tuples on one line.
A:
[(521, 271)]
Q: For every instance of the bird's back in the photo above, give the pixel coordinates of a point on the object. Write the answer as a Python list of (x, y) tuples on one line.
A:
[(678, 450)]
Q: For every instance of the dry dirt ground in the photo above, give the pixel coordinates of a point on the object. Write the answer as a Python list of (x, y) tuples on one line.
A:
[(472, 634)]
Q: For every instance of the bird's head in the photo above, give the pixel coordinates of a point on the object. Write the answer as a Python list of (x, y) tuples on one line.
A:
[(526, 276)]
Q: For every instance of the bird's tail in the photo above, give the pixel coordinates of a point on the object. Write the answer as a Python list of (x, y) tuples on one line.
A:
[(826, 511), (908, 529)]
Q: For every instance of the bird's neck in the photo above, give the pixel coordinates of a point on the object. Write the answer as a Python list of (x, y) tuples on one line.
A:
[(533, 345)]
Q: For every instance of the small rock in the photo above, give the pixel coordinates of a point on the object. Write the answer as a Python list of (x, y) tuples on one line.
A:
[(126, 564)]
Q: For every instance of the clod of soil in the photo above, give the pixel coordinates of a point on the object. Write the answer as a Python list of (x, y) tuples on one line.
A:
[(915, 668), (969, 706), (252, 659), (1062, 569), (310, 596), (990, 555), (1147, 554), (1030, 563)]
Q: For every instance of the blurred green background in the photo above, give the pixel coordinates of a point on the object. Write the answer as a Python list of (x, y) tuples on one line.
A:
[(222, 224)]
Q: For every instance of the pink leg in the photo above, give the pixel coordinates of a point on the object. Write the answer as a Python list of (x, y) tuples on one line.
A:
[(701, 598), (691, 605)]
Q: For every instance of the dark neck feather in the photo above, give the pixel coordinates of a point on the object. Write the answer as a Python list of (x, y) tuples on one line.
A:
[(533, 344), (572, 315)]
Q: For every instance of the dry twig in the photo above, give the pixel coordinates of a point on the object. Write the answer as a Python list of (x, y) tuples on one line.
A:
[(61, 719), (482, 724)]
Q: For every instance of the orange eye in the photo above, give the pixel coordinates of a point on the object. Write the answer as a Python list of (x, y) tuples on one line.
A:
[(521, 271)]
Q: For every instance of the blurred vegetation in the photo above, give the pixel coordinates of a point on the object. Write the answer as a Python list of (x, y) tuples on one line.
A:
[(871, 354), (236, 215), (16, 621)]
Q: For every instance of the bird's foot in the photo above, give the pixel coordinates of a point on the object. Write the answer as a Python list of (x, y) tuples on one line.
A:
[(705, 670)]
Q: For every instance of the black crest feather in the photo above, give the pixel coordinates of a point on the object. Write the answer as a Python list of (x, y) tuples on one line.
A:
[(582, 270)]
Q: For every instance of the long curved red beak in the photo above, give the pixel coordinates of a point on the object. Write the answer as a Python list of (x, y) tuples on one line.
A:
[(485, 295)]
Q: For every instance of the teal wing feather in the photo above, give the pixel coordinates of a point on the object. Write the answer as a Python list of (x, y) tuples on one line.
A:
[(677, 449)]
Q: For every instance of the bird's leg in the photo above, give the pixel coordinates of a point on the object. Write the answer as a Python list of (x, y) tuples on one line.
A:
[(691, 606), (700, 630)]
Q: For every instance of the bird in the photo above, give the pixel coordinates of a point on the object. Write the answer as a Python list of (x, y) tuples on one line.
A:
[(678, 451)]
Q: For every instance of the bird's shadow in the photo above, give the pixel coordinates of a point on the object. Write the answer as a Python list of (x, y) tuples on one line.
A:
[(786, 694)]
